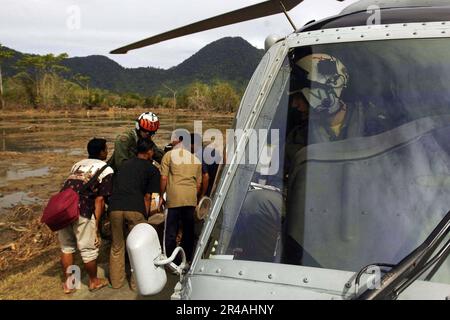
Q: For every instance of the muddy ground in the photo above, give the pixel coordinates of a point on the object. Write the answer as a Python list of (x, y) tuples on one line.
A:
[(36, 153)]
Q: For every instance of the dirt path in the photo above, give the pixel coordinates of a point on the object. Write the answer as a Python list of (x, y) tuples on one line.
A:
[(42, 280)]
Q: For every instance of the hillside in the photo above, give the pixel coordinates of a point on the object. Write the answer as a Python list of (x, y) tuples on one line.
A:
[(231, 59)]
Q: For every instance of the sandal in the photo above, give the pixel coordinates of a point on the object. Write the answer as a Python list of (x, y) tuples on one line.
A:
[(101, 283), (67, 290)]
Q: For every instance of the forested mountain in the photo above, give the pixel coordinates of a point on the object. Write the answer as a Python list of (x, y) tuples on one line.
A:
[(228, 59)]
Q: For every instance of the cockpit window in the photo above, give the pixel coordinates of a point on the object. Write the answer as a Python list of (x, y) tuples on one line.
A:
[(354, 166)]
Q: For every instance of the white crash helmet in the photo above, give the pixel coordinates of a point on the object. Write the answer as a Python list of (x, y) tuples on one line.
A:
[(327, 77), (148, 121)]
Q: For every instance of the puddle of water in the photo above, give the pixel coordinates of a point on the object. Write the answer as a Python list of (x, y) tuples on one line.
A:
[(19, 174), (13, 199), (77, 152), (53, 134)]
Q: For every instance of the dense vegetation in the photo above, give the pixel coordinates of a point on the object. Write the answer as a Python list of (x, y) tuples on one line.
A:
[(212, 79)]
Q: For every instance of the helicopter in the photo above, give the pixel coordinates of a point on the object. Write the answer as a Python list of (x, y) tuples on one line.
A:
[(357, 206)]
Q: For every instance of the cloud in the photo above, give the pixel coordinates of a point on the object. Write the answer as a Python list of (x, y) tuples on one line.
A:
[(88, 27)]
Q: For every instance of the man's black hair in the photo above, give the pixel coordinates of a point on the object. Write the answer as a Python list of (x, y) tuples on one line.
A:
[(144, 145), (95, 146)]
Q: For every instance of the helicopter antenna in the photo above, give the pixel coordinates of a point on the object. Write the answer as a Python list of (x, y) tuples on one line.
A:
[(287, 16)]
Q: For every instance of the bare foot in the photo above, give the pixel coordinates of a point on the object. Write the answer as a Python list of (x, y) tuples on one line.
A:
[(98, 284)]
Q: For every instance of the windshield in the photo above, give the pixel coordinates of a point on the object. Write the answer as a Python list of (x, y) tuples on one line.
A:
[(355, 164)]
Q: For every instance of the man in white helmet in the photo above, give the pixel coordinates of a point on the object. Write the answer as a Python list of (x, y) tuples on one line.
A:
[(125, 146)]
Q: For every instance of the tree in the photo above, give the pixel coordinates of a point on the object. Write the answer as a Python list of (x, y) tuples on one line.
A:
[(40, 72), (83, 82), (174, 92), (224, 97), (198, 96), (4, 54)]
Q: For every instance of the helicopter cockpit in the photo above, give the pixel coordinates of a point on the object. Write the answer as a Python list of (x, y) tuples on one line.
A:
[(341, 189)]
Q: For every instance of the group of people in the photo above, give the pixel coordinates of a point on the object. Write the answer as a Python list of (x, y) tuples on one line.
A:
[(137, 169)]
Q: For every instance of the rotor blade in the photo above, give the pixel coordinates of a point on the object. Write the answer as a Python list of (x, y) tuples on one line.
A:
[(259, 10)]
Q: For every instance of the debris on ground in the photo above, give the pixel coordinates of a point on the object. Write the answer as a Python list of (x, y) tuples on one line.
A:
[(30, 238)]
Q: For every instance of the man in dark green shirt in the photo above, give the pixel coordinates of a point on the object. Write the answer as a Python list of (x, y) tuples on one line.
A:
[(125, 146)]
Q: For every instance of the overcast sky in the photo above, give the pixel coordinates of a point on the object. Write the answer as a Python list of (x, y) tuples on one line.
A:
[(88, 27)]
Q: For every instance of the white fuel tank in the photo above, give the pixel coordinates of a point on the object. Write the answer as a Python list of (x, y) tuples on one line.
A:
[(143, 249)]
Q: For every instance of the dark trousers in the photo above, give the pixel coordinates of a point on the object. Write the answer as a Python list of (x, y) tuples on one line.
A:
[(175, 217)]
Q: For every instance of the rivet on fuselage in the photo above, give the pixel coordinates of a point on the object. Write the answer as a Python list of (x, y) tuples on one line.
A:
[(270, 276), (218, 271), (241, 273), (305, 280)]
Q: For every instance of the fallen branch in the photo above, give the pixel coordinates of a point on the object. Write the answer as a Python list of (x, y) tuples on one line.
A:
[(19, 229), (10, 246)]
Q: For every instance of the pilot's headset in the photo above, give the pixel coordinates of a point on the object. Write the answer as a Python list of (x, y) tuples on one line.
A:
[(322, 79)]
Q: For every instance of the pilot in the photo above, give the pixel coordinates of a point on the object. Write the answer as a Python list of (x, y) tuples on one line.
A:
[(322, 115), (320, 112)]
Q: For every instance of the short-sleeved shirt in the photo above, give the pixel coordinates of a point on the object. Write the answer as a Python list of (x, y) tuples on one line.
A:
[(135, 178), (80, 174), (184, 172)]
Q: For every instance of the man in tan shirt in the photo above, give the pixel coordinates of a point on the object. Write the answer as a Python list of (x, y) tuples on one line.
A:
[(181, 178)]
